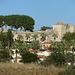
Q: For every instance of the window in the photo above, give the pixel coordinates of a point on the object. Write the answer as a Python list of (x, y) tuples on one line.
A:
[(44, 45), (41, 45)]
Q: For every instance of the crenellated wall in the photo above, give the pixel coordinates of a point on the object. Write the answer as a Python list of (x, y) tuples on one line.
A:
[(60, 28)]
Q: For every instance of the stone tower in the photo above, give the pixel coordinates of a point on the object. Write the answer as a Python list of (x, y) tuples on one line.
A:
[(62, 28)]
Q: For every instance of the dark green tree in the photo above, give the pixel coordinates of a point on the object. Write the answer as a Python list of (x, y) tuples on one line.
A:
[(23, 47), (35, 45), (57, 58), (4, 55), (9, 38), (69, 71), (1, 46), (28, 23), (66, 35), (28, 57), (3, 39), (69, 36), (1, 20), (27, 36), (35, 36), (44, 28), (43, 36), (18, 21), (55, 36), (70, 57), (20, 37)]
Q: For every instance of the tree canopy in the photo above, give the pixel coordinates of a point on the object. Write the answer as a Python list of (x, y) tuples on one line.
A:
[(3, 39), (69, 36), (20, 37), (35, 45), (4, 55), (27, 36), (35, 36), (44, 28), (43, 36), (28, 57), (55, 36), (18, 21)]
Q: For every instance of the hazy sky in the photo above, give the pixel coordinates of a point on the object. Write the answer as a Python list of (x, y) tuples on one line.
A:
[(44, 12)]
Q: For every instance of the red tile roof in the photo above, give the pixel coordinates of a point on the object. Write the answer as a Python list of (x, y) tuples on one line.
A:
[(18, 57), (42, 56), (37, 50), (48, 51), (46, 43), (67, 47)]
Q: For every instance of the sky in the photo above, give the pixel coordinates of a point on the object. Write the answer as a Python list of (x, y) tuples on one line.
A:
[(44, 12)]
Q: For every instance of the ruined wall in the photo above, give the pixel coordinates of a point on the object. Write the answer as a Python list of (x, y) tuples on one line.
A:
[(60, 28)]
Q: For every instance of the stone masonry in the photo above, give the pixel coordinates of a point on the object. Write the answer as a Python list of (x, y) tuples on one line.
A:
[(60, 28)]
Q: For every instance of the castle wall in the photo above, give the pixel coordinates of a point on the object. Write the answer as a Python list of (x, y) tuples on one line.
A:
[(61, 30), (73, 28), (69, 28)]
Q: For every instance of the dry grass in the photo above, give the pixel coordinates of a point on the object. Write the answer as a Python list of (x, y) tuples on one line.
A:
[(28, 69)]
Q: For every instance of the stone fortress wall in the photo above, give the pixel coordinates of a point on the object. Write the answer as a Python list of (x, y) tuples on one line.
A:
[(60, 28)]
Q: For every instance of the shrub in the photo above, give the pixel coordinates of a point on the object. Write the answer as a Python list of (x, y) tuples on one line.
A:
[(70, 57), (4, 55), (28, 57), (69, 71), (45, 63), (57, 58)]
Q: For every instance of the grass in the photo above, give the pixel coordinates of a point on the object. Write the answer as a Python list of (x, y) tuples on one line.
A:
[(28, 69)]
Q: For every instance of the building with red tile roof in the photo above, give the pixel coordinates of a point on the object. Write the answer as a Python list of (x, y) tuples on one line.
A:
[(45, 45)]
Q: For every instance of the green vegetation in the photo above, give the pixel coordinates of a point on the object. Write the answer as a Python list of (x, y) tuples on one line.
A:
[(35, 45), (3, 39), (70, 57), (69, 36), (43, 36), (57, 58), (4, 55), (18, 21), (28, 57), (1, 46), (27, 36), (22, 47), (28, 69), (6, 39), (1, 20), (60, 53), (9, 38), (35, 36), (44, 28), (55, 36), (20, 37), (69, 71), (25, 46)]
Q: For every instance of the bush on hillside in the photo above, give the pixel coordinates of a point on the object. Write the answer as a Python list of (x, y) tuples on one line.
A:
[(4, 55), (69, 71), (57, 58), (28, 57), (45, 63)]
